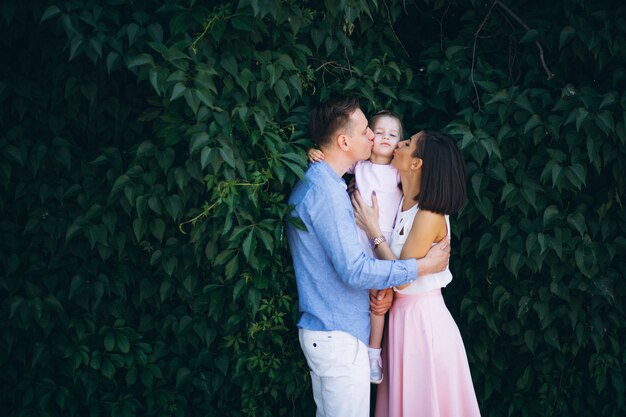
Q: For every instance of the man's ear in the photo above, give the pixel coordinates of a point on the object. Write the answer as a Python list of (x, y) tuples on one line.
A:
[(343, 141)]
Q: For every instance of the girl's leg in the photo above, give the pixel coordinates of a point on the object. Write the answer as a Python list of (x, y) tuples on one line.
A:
[(377, 325)]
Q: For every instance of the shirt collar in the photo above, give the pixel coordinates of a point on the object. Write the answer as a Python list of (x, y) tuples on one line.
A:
[(327, 170)]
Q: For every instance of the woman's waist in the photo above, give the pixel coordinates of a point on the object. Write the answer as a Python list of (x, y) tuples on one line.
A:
[(428, 283), (425, 294)]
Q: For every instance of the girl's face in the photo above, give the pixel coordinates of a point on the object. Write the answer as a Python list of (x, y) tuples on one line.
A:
[(403, 155), (386, 136)]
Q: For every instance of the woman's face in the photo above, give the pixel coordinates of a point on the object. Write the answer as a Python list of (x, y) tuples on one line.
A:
[(403, 155)]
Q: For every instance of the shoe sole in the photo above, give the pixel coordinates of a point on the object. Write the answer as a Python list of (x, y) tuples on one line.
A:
[(376, 382)]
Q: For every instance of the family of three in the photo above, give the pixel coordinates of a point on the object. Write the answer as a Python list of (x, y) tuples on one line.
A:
[(379, 248)]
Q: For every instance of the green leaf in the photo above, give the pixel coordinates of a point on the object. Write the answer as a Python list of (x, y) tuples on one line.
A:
[(578, 221), (249, 244), (500, 96), (157, 227), (508, 192), (566, 34), (198, 141), (122, 342), (605, 122), (178, 91), (232, 267), (579, 173), (229, 64), (141, 59), (266, 238), (530, 36), (254, 300), (182, 375), (533, 122), (77, 282), (522, 101), (227, 156), (139, 228), (51, 11), (174, 206), (107, 368), (486, 241), (294, 168), (109, 341), (531, 340), (550, 215), (581, 115)]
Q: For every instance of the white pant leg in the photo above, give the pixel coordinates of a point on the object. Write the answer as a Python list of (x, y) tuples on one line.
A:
[(339, 373)]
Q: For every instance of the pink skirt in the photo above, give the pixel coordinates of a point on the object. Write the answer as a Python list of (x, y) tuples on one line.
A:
[(424, 362)]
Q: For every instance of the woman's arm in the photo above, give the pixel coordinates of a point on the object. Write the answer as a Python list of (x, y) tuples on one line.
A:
[(428, 227)]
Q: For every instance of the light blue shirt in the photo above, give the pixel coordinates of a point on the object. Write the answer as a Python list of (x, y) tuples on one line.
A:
[(333, 274)]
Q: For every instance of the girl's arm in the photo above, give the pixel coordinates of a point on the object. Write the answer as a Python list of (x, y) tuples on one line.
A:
[(315, 155)]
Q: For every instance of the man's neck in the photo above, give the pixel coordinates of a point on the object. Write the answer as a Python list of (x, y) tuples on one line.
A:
[(338, 162)]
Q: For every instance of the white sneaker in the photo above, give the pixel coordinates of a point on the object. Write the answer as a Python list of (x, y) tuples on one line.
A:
[(376, 371)]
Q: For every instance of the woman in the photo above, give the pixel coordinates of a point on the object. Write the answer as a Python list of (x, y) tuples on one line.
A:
[(428, 372)]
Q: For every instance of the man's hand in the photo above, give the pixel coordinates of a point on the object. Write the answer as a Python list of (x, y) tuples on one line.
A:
[(380, 301), (436, 259)]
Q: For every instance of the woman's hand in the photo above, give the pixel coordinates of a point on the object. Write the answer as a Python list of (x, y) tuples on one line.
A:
[(366, 217), (315, 155)]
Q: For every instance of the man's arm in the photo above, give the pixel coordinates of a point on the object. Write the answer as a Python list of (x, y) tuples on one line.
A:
[(366, 217), (332, 221)]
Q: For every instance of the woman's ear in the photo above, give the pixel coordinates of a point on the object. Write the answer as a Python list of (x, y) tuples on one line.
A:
[(416, 163)]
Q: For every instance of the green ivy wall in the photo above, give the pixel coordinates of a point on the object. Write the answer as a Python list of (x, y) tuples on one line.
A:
[(148, 149)]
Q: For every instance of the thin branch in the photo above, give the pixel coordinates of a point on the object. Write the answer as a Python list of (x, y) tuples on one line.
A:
[(443, 17), (392, 29), (474, 54), (525, 26), (332, 64)]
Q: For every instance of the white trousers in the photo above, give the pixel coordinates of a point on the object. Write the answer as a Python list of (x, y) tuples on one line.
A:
[(340, 373)]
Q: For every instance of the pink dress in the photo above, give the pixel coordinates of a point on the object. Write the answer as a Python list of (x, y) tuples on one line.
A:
[(383, 179), (424, 360)]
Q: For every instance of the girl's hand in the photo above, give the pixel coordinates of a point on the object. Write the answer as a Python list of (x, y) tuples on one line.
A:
[(315, 155), (366, 217), (380, 301)]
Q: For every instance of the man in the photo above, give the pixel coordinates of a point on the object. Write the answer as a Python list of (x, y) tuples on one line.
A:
[(333, 274)]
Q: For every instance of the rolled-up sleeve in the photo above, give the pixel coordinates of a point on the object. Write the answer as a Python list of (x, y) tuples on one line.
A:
[(335, 227)]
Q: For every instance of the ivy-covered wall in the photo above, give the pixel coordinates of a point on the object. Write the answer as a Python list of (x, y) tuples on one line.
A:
[(147, 150)]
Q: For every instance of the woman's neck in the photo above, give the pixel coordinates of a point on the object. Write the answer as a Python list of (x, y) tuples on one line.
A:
[(410, 188)]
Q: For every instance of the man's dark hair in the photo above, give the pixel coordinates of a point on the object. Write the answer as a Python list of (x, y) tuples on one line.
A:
[(329, 117), (387, 113), (443, 173)]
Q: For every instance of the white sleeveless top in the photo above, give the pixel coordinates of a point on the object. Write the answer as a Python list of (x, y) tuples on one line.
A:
[(423, 283)]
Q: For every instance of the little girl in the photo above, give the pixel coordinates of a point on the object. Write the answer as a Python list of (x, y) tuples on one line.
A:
[(379, 177)]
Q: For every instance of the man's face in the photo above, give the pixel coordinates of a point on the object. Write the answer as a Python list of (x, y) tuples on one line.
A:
[(361, 137)]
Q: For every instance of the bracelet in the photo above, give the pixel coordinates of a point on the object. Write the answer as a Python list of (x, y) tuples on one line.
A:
[(375, 241)]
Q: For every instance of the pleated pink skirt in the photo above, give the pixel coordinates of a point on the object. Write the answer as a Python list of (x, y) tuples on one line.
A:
[(424, 362)]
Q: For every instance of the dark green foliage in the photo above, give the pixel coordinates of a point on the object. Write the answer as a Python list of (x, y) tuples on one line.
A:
[(148, 150)]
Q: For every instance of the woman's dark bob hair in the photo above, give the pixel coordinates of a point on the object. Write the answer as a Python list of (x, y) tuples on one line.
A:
[(443, 188)]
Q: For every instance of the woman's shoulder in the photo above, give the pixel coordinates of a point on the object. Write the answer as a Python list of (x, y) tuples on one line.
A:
[(429, 220), (427, 216)]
